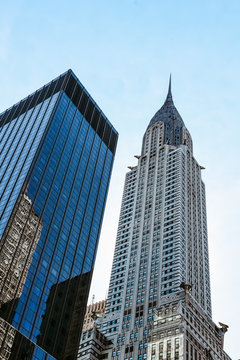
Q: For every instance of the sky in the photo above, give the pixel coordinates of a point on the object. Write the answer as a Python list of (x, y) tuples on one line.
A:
[(123, 52)]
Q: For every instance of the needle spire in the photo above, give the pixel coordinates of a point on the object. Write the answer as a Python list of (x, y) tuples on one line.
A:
[(169, 95)]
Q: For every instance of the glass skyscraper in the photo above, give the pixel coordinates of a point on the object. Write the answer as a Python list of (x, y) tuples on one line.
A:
[(56, 155)]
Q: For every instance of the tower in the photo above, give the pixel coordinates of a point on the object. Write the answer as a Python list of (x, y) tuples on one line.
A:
[(56, 155), (159, 301)]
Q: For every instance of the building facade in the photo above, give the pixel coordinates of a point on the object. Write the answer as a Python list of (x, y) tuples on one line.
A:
[(93, 311), (93, 345), (160, 273), (182, 330), (56, 155)]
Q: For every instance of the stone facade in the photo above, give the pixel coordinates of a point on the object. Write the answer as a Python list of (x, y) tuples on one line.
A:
[(182, 330), (161, 262), (92, 313), (93, 344)]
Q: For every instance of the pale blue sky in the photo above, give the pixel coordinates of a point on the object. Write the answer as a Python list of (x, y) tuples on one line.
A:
[(123, 52)]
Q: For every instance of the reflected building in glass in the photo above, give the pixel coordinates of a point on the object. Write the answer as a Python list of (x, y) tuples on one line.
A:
[(56, 155)]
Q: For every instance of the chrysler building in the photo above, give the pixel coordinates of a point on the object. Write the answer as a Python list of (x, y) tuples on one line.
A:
[(159, 299)]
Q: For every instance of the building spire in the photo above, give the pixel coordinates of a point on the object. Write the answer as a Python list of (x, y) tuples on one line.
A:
[(168, 114), (170, 84), (169, 94)]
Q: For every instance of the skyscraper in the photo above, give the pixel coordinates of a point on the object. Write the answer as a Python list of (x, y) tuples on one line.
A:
[(159, 301), (56, 155)]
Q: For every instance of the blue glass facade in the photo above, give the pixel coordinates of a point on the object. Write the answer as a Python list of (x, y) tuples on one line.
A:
[(19, 140), (58, 154)]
